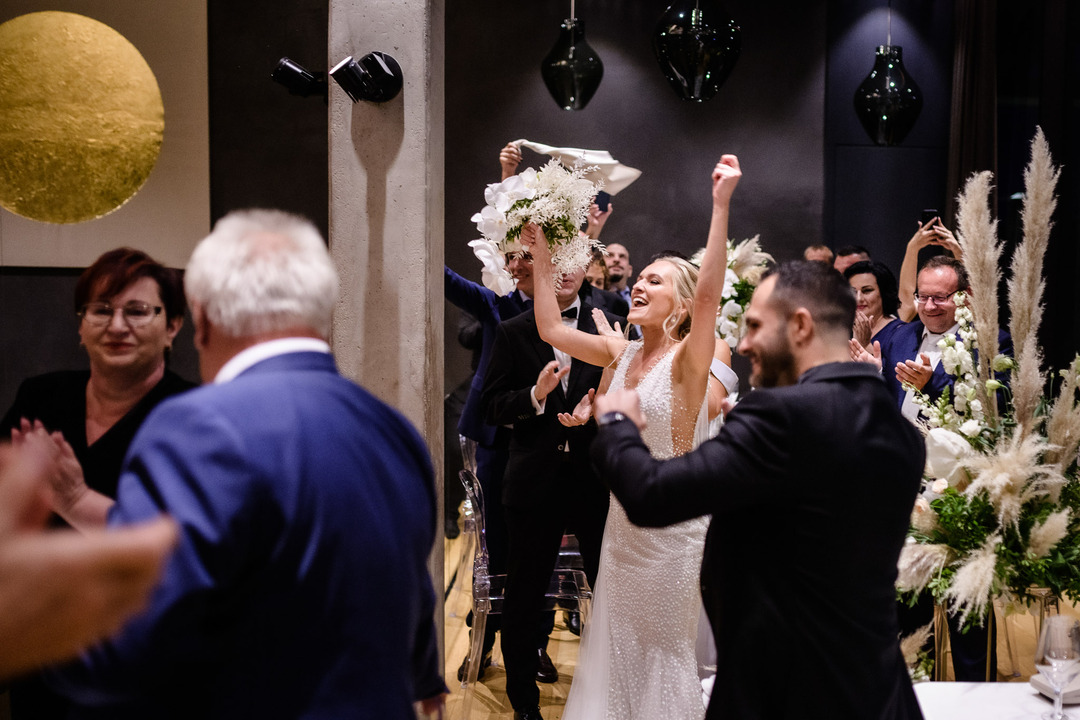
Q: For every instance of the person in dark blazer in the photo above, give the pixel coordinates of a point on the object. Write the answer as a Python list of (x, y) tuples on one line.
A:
[(800, 562), (910, 355), (306, 507), (549, 487)]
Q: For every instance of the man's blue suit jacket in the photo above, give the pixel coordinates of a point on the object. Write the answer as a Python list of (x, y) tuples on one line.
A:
[(904, 345), (300, 586), (490, 309)]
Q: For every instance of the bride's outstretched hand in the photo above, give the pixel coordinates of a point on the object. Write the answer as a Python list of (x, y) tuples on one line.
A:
[(581, 413), (725, 177)]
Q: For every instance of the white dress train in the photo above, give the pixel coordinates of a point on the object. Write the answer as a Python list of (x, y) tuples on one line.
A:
[(637, 657)]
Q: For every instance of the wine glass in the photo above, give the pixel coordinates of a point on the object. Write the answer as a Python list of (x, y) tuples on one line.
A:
[(1057, 657)]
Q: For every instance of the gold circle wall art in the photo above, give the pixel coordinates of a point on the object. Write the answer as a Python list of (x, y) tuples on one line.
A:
[(81, 118)]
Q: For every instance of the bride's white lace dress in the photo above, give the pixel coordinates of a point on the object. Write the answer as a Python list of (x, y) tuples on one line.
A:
[(637, 657)]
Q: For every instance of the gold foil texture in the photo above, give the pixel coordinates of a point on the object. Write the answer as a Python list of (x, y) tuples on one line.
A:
[(81, 118)]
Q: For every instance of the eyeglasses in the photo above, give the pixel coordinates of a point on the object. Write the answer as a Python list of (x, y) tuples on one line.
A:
[(523, 255), (938, 299), (135, 313)]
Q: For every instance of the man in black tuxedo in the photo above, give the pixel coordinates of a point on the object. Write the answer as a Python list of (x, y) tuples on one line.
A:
[(800, 559), (549, 486)]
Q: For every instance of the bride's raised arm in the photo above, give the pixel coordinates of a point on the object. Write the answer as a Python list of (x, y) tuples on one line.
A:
[(593, 349), (696, 354)]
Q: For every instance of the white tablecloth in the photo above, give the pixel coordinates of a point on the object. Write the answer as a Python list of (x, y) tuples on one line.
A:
[(983, 701)]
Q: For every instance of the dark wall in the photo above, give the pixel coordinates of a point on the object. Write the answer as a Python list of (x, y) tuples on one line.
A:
[(267, 149), (770, 113)]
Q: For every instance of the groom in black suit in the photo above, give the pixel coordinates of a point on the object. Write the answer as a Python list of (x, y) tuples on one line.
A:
[(810, 484), (549, 487)]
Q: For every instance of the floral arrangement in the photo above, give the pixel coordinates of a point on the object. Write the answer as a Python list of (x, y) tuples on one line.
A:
[(556, 198), (746, 263), (1000, 511)]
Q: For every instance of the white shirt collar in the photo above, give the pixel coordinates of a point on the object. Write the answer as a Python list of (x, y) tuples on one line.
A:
[(247, 357), (951, 331)]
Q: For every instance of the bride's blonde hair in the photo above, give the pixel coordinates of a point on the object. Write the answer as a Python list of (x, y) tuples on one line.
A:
[(684, 282)]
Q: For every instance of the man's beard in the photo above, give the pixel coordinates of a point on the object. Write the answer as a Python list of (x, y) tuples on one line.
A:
[(776, 365)]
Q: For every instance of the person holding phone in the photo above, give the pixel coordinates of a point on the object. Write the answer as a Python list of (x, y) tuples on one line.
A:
[(931, 232)]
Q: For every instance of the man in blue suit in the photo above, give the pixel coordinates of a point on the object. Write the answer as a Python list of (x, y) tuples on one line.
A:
[(306, 508), (911, 355)]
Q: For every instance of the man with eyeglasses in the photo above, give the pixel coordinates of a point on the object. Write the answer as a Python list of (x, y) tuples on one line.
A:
[(911, 355)]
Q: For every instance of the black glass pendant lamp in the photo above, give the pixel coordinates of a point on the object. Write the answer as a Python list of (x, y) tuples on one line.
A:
[(572, 70), (889, 101), (696, 44)]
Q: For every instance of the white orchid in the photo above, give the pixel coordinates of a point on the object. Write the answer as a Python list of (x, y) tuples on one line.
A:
[(494, 273), (945, 455), (491, 223)]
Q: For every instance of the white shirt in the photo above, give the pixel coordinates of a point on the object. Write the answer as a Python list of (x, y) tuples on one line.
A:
[(562, 358), (247, 357), (929, 348)]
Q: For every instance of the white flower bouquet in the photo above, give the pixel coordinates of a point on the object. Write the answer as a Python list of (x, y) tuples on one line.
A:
[(1000, 514), (556, 198), (746, 263)]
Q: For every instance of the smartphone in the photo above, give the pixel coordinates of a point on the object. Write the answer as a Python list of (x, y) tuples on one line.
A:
[(603, 200), (928, 215)]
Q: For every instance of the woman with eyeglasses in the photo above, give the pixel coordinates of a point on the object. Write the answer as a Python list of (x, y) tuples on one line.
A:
[(130, 309)]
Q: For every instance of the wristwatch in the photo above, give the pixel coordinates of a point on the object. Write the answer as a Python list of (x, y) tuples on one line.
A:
[(610, 417)]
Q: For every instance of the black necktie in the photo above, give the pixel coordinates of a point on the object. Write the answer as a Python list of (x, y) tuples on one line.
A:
[(570, 313)]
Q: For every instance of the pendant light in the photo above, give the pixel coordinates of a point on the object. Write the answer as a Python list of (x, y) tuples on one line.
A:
[(696, 44), (889, 101), (572, 70)]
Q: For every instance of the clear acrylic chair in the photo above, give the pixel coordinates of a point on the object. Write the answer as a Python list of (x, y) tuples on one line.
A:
[(569, 587)]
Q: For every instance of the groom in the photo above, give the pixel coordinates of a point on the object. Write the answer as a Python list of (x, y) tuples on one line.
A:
[(810, 484)]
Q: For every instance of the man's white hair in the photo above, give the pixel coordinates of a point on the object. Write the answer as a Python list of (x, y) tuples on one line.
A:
[(263, 271)]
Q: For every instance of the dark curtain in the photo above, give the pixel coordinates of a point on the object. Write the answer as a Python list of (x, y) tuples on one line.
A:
[(973, 120)]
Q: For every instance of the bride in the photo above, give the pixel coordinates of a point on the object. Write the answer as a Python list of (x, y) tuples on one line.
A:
[(637, 656)]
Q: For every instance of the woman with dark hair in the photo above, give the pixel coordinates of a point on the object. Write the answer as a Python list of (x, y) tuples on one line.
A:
[(876, 302), (130, 309)]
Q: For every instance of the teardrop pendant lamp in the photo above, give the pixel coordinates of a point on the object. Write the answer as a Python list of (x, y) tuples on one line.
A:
[(888, 101), (697, 44), (572, 70)]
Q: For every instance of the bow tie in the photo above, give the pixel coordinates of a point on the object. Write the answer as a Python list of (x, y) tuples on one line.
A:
[(570, 313)]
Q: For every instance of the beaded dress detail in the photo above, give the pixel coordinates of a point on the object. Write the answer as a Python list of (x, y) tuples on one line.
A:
[(637, 657)]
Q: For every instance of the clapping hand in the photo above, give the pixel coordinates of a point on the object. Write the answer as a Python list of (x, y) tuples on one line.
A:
[(603, 327), (864, 324), (548, 378), (915, 372), (862, 354), (581, 413)]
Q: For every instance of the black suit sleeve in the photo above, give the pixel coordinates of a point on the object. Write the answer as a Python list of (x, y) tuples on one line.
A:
[(744, 465), (503, 398)]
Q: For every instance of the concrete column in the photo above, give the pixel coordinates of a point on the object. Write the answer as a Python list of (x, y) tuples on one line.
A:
[(386, 219)]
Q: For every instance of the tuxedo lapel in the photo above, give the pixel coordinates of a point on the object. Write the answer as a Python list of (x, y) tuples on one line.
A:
[(585, 324), (543, 352)]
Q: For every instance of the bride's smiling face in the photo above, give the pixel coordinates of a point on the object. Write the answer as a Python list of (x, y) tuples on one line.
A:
[(652, 298)]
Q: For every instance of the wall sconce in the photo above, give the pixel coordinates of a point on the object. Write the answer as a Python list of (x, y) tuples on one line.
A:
[(888, 101), (697, 45), (375, 77), (298, 79), (572, 70)]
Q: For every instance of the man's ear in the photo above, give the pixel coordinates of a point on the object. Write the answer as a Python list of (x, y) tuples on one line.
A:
[(801, 327), (201, 326)]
